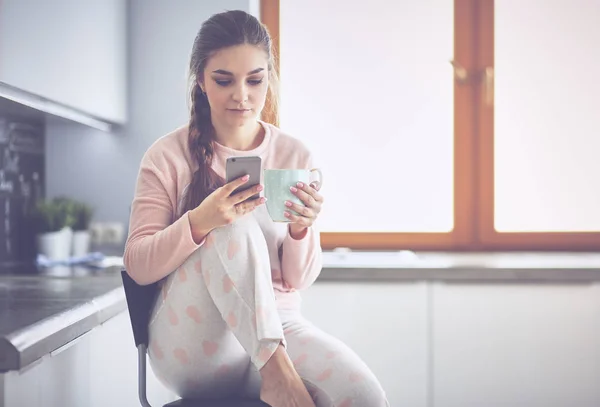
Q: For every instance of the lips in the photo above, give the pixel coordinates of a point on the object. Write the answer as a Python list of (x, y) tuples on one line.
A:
[(240, 112)]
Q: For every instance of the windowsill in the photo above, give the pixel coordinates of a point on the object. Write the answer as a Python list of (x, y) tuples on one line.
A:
[(446, 266)]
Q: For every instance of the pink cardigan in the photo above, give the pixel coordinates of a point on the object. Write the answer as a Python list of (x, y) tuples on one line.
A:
[(160, 241)]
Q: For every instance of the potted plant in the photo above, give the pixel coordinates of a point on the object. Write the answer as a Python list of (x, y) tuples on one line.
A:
[(82, 215), (52, 220)]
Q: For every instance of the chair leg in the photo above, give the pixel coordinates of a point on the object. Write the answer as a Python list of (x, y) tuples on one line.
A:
[(142, 376)]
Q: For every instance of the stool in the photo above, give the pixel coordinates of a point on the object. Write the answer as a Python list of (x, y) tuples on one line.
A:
[(140, 300)]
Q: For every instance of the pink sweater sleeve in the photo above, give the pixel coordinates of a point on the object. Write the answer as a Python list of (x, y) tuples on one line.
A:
[(301, 260), (156, 246)]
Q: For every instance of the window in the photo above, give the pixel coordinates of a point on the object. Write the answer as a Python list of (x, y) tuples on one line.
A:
[(446, 125)]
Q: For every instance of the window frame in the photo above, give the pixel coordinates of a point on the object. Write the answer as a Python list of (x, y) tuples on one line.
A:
[(473, 153)]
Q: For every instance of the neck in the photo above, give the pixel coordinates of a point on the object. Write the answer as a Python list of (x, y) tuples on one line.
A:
[(246, 137)]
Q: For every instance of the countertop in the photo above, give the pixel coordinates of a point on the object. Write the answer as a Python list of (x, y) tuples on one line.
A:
[(345, 265), (42, 310)]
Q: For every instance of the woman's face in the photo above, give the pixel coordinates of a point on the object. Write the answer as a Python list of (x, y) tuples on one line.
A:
[(236, 81)]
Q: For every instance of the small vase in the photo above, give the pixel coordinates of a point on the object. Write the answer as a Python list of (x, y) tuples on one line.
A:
[(81, 243), (56, 245)]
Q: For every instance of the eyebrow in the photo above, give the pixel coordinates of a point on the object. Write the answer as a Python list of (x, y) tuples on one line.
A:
[(224, 72)]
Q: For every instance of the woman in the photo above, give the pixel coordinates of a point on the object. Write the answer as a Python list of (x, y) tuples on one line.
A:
[(228, 318)]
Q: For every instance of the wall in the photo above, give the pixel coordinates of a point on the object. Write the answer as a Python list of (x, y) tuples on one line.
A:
[(101, 168)]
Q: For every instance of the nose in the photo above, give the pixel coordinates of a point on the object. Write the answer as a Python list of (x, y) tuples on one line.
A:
[(240, 93)]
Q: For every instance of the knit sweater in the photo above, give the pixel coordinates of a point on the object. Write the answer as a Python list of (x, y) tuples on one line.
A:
[(160, 237)]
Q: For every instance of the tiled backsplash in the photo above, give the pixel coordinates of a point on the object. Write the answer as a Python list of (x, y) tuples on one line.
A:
[(21, 184)]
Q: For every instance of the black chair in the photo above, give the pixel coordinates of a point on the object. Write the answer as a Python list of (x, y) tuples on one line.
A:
[(140, 300)]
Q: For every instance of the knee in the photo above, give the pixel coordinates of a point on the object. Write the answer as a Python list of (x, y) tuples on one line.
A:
[(243, 236)]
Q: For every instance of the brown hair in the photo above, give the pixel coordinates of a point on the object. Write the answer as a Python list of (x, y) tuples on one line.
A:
[(219, 31)]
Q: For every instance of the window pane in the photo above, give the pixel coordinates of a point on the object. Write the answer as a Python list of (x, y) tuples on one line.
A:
[(369, 88), (547, 115)]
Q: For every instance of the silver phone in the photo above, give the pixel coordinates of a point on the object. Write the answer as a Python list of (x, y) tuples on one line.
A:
[(237, 167)]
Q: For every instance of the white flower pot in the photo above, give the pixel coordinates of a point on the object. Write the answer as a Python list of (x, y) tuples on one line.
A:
[(56, 245), (81, 243)]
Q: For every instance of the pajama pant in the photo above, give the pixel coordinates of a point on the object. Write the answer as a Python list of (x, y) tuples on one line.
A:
[(216, 323)]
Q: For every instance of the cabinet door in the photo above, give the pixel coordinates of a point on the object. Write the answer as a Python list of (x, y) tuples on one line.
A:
[(516, 345), (386, 324), (69, 51), (114, 370), (58, 379)]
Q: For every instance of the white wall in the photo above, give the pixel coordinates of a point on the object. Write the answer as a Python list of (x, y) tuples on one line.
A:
[(101, 168)]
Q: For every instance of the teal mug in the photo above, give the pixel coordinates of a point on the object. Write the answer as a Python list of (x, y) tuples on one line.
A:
[(277, 183)]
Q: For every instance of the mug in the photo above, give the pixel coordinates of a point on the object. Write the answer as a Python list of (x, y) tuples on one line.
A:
[(277, 183)]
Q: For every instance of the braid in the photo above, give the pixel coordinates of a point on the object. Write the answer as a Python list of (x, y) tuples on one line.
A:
[(205, 180), (220, 31)]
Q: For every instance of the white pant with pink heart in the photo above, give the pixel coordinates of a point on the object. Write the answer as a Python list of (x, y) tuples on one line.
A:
[(216, 323)]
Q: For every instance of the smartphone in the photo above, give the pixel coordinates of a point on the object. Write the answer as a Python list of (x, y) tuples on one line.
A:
[(237, 167)]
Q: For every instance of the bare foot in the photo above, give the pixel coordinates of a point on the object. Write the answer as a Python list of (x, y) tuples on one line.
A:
[(281, 384)]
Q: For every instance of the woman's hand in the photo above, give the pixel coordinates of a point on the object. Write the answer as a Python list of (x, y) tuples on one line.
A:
[(221, 208), (307, 213)]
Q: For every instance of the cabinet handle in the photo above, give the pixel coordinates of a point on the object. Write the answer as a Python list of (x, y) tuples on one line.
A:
[(69, 344)]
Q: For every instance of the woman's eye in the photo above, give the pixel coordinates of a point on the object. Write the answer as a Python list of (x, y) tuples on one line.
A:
[(222, 82), (255, 82)]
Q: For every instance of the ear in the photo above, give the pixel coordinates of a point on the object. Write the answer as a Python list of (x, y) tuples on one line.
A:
[(199, 82)]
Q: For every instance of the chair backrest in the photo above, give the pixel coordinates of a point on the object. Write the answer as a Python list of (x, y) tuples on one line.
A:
[(140, 299)]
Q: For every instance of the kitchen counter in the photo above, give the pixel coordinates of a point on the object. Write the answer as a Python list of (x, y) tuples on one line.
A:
[(345, 265), (42, 310)]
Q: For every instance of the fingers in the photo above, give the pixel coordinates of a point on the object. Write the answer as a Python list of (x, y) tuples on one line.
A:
[(300, 209), (299, 219), (230, 187), (249, 206), (242, 196), (307, 194), (305, 214)]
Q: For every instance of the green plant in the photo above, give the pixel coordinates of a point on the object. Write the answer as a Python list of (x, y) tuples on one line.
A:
[(82, 214), (51, 215)]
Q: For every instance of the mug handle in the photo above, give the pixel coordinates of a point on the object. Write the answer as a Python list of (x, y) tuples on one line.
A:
[(317, 184)]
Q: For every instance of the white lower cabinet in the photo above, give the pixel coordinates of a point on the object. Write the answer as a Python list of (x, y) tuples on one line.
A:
[(98, 369)]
